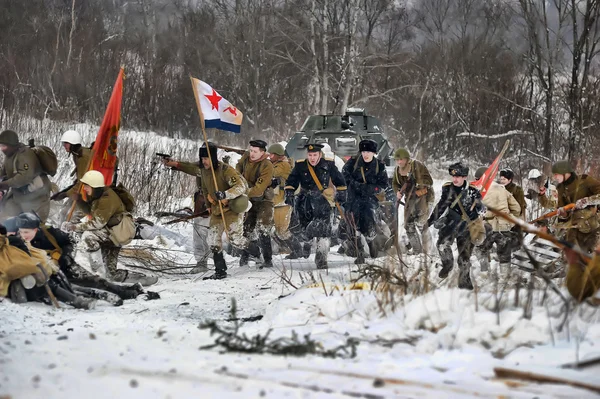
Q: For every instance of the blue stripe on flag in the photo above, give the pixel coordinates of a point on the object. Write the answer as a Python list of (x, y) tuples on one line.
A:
[(230, 127), (218, 124), (212, 123)]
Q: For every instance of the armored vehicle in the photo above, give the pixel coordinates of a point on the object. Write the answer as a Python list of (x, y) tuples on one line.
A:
[(342, 133)]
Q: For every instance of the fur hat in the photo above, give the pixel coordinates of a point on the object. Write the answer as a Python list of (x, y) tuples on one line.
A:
[(367, 145)]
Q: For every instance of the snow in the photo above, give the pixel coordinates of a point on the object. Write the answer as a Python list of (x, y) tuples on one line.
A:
[(444, 343)]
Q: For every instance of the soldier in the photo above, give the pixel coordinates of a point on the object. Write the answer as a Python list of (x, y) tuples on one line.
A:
[(535, 180), (497, 229), (22, 175), (413, 182), (231, 190), (506, 179), (200, 225), (256, 168), (582, 223), (60, 248), (459, 204), (366, 178), (107, 228), (282, 211), (71, 141), (313, 204)]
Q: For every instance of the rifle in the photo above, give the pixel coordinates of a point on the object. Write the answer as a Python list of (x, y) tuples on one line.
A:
[(163, 156), (204, 214), (530, 228), (232, 149), (553, 213), (61, 192)]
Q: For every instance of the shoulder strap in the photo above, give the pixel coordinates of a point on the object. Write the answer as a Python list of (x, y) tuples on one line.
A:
[(51, 238), (314, 177)]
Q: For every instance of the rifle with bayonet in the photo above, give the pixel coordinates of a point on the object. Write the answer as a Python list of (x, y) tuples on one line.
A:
[(542, 233)]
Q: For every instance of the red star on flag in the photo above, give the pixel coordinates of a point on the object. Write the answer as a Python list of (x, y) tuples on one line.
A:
[(214, 99)]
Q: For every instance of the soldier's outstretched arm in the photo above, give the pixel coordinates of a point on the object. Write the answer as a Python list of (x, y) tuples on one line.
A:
[(189, 168)]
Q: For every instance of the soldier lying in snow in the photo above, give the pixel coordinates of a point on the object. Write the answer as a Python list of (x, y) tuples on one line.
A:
[(59, 246)]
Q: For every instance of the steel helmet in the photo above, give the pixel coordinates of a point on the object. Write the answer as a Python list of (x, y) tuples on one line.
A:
[(239, 204), (401, 153), (562, 167), (9, 137), (534, 174), (93, 178), (71, 137), (277, 149), (480, 171)]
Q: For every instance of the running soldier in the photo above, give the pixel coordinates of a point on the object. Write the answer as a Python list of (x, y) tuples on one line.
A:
[(497, 229), (200, 225), (583, 222), (506, 179), (366, 178), (459, 204), (256, 168), (282, 211), (230, 191), (413, 182), (313, 203)]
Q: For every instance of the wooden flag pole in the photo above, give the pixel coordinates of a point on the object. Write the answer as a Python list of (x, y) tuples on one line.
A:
[(212, 169)]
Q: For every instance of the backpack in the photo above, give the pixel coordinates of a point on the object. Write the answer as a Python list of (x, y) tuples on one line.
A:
[(125, 197), (46, 156)]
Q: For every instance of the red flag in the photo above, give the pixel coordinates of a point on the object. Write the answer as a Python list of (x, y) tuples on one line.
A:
[(104, 151), (485, 181)]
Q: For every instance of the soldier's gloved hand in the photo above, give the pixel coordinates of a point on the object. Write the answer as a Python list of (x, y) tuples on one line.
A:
[(289, 197), (582, 203), (340, 196), (219, 195), (274, 182), (562, 212), (67, 226)]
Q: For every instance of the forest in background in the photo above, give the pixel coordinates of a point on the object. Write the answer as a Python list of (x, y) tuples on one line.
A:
[(448, 78)]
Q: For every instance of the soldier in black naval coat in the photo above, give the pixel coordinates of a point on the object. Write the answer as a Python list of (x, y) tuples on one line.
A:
[(314, 202)]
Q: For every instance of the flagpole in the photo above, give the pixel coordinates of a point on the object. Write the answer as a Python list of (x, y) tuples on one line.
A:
[(212, 169)]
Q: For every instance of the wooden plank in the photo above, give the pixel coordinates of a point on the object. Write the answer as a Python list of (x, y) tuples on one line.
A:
[(550, 375)]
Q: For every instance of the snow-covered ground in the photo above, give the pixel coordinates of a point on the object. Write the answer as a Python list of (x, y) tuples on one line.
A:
[(444, 343)]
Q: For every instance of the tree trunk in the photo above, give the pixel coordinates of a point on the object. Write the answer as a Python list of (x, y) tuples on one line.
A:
[(325, 71)]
